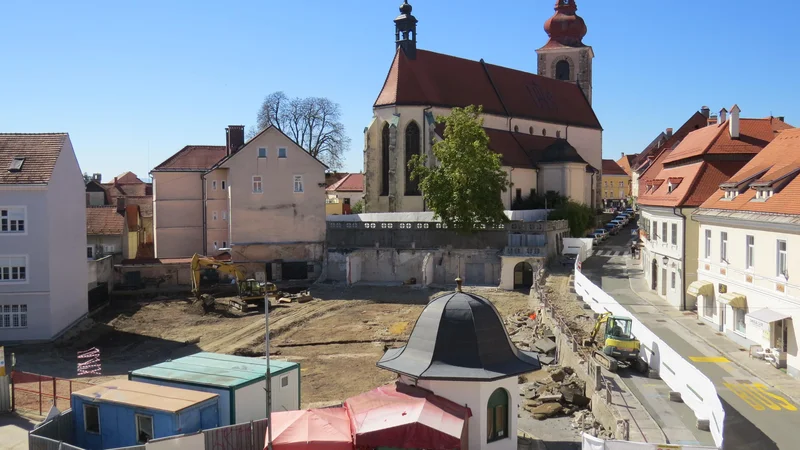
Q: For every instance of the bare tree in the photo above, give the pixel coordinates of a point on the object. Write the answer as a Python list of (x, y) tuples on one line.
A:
[(313, 122)]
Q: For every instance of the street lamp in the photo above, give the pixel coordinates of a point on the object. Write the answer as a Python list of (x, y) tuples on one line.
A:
[(665, 260)]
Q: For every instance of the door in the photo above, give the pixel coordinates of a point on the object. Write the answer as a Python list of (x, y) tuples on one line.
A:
[(654, 274), (523, 276), (294, 271), (723, 309), (269, 271), (664, 282), (474, 274)]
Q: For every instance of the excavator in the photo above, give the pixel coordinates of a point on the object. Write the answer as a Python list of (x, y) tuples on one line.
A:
[(619, 344), (251, 291)]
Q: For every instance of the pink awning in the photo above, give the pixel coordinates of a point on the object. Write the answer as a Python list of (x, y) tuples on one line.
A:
[(318, 429), (403, 416)]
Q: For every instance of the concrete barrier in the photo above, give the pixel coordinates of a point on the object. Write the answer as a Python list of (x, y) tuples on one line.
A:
[(593, 443)]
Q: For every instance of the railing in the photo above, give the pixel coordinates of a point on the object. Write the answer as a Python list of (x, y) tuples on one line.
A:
[(37, 393), (525, 251)]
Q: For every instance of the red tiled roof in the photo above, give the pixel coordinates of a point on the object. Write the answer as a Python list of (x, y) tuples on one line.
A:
[(332, 177), (443, 80), (128, 177), (779, 158), (626, 161), (40, 150), (352, 182), (145, 204), (103, 220), (656, 165), (695, 122), (610, 167), (698, 182), (193, 158)]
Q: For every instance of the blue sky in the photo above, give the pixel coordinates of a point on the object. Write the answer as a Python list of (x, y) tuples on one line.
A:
[(134, 81)]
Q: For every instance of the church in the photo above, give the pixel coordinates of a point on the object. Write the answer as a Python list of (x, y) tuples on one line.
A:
[(542, 125)]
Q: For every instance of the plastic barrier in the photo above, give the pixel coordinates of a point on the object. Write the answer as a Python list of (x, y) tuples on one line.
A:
[(697, 391), (593, 443)]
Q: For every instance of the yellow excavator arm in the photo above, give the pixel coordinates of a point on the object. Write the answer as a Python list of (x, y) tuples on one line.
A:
[(601, 320), (203, 262)]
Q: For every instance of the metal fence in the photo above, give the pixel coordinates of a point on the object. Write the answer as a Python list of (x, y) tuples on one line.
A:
[(59, 428), (244, 436), (36, 393)]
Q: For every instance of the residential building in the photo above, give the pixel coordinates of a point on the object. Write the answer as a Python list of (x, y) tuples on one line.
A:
[(43, 269), (749, 242), (104, 232), (344, 193), (261, 201), (688, 176), (541, 124), (625, 162), (616, 184)]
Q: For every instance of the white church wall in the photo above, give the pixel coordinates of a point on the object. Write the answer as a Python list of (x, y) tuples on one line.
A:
[(588, 143), (522, 179)]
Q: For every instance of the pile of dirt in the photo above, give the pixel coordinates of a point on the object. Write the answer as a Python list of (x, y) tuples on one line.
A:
[(561, 393), (584, 422)]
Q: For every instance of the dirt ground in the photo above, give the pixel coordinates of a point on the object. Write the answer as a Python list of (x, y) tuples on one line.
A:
[(337, 338)]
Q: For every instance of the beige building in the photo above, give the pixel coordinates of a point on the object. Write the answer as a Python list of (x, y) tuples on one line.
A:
[(616, 184), (542, 125), (262, 201)]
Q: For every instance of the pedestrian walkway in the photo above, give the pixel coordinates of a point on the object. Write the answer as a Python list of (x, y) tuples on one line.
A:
[(609, 252)]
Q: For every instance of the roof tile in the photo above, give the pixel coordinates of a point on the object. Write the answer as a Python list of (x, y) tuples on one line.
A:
[(610, 167), (40, 150), (193, 158), (103, 220), (352, 182)]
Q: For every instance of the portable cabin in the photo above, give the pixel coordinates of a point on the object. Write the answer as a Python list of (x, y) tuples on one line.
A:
[(123, 413), (238, 380)]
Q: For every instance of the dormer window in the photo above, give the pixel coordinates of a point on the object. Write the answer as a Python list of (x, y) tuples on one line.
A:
[(731, 194), (16, 164), (763, 194)]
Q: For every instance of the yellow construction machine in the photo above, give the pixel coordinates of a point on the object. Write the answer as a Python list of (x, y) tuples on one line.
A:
[(619, 344), (251, 292)]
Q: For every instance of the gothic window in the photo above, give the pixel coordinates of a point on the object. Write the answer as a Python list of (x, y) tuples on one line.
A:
[(562, 70), (544, 132), (385, 160), (530, 130), (516, 128), (412, 148), (558, 134)]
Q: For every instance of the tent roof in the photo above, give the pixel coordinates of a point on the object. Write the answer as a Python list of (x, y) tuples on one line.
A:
[(403, 416), (319, 429)]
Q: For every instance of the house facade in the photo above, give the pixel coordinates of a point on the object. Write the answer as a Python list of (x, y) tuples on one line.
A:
[(542, 125), (344, 194), (748, 238), (262, 201), (43, 271), (104, 232), (688, 175), (616, 184)]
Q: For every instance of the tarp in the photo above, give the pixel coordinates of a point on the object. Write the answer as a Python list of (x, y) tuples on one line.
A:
[(403, 416), (767, 315), (321, 429)]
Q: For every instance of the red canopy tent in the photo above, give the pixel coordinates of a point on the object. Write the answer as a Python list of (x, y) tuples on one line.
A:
[(402, 416), (319, 429)]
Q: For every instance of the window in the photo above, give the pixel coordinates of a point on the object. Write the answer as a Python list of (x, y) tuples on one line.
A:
[(282, 152), (663, 231), (144, 428), (518, 195), (385, 159), (708, 244), (750, 252), (223, 185), (257, 186), (674, 234), (673, 280), (781, 263), (91, 419), (621, 184), (224, 244), (213, 185), (13, 316), (12, 219), (738, 318), (558, 134), (13, 268), (224, 215), (284, 381), (90, 252), (709, 307), (655, 230), (216, 245), (544, 132), (530, 130), (497, 416), (262, 152), (516, 128), (214, 215), (298, 183), (412, 148), (562, 70), (723, 247)]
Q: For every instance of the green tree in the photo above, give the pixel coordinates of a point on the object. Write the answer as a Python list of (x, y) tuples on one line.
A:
[(579, 216), (464, 188), (358, 208)]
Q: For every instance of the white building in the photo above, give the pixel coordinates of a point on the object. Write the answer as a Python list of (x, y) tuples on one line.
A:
[(749, 239), (43, 271)]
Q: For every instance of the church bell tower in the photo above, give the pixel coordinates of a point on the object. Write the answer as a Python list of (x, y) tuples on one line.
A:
[(405, 31), (565, 56)]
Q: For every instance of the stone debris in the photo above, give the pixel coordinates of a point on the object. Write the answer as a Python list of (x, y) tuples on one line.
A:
[(559, 391), (584, 422), (546, 410)]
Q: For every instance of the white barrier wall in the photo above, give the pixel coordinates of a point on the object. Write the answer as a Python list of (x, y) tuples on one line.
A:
[(697, 391), (593, 443)]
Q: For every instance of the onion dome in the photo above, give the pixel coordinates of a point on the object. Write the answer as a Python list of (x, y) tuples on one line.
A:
[(565, 27), (405, 8)]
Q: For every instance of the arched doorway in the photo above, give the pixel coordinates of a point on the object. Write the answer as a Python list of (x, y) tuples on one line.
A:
[(654, 274), (523, 276)]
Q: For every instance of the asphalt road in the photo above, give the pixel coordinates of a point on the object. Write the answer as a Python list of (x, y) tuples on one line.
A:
[(756, 417)]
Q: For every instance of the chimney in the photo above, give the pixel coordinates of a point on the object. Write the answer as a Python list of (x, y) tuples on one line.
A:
[(623, 155), (723, 115), (781, 118), (733, 124), (121, 205), (234, 138), (712, 119), (705, 111), (115, 181), (97, 177), (669, 133)]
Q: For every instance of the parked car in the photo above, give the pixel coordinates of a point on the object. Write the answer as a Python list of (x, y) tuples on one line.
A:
[(612, 228), (602, 232), (617, 222), (625, 219), (596, 239)]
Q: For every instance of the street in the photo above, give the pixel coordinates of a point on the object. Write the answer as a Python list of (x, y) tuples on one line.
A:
[(757, 416)]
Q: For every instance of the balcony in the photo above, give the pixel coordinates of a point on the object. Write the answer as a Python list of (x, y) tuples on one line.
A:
[(525, 251)]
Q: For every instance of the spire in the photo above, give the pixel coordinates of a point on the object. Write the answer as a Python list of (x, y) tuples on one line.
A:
[(565, 27), (405, 31)]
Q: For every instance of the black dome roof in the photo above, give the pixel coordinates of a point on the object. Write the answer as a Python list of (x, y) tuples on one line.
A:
[(459, 336), (561, 151)]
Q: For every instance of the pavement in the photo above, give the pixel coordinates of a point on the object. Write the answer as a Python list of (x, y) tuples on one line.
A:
[(14, 432), (760, 402)]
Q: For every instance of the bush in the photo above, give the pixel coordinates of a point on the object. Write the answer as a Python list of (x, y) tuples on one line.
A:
[(358, 208), (579, 216), (550, 200)]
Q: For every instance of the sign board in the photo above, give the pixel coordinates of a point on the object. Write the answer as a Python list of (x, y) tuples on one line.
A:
[(2, 362)]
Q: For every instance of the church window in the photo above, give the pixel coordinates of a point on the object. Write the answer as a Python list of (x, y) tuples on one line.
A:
[(558, 134), (516, 129), (544, 132), (530, 130), (412, 148), (497, 416), (562, 70), (385, 160)]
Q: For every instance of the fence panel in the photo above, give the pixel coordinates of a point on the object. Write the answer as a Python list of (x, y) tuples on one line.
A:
[(5, 391), (259, 433), (36, 393), (235, 437), (42, 443), (59, 428)]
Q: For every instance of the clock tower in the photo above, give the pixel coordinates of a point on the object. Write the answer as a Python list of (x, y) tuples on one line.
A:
[(565, 56)]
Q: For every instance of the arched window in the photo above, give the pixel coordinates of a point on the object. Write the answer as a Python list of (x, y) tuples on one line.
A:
[(544, 132), (385, 160), (562, 70), (530, 130), (497, 416), (558, 134), (412, 148), (516, 129)]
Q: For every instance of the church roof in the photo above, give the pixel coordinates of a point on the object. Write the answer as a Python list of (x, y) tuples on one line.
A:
[(459, 336), (435, 79)]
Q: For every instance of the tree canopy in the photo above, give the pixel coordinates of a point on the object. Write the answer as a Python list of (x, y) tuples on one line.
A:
[(314, 123), (464, 185)]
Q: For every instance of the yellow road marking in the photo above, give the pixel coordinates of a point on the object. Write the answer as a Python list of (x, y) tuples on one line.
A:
[(758, 397), (710, 359)]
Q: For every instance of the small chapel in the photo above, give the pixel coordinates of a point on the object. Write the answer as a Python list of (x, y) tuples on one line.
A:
[(541, 124)]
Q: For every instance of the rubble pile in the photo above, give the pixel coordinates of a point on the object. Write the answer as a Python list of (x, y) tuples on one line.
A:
[(584, 422), (561, 393), (530, 334)]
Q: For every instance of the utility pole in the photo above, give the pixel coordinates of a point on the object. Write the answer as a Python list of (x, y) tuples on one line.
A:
[(269, 375)]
